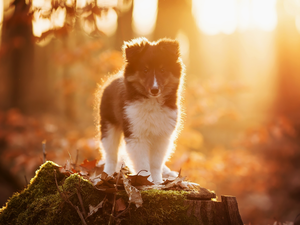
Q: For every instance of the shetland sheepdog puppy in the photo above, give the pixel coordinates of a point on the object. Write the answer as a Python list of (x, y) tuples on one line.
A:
[(142, 105)]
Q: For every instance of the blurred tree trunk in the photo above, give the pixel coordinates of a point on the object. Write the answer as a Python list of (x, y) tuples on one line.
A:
[(17, 62), (174, 16), (124, 30), (288, 89)]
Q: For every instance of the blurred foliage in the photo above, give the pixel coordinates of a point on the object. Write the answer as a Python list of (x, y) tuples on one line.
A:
[(247, 169), (256, 162)]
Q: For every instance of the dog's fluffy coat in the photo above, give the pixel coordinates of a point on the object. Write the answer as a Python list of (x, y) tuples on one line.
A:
[(142, 104)]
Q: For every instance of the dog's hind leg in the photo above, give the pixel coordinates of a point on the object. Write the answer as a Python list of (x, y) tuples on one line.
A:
[(111, 136)]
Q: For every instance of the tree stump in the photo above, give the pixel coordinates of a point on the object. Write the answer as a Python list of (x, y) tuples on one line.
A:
[(209, 212), (54, 198)]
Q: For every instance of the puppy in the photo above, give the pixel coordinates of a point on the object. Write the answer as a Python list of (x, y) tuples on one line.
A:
[(142, 105)]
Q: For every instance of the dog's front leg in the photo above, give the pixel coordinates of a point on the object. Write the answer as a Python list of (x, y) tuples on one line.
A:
[(158, 155), (138, 152)]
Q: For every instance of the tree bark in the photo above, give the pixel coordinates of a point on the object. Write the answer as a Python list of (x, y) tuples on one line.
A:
[(215, 213), (17, 65)]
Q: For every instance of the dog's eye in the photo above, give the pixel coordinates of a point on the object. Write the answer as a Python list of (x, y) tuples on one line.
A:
[(146, 70), (162, 70)]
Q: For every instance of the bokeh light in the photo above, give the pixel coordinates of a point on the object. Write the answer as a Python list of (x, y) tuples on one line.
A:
[(107, 3), (41, 24), (224, 16), (144, 16), (107, 23)]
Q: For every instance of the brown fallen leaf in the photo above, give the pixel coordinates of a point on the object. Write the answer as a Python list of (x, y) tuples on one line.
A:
[(132, 192), (67, 169), (177, 182), (120, 205), (168, 180), (104, 176), (88, 165), (83, 173), (94, 209), (139, 180), (95, 179)]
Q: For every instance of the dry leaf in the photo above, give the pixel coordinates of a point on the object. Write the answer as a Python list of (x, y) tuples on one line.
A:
[(104, 176), (138, 180), (167, 181), (177, 182), (95, 179), (133, 193), (120, 205), (88, 165), (67, 168), (95, 209)]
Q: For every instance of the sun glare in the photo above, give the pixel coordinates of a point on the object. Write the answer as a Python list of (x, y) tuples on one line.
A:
[(41, 25), (184, 46), (144, 16), (107, 23), (264, 14), (81, 3), (1, 11), (43, 4), (225, 16), (298, 23), (107, 3)]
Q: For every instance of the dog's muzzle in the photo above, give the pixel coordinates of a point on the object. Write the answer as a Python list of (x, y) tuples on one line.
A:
[(154, 91)]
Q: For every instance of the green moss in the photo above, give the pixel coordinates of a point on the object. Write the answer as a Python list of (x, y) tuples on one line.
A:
[(161, 207), (41, 203), (20, 209)]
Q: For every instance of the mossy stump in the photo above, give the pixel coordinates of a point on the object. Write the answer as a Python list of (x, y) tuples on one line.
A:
[(42, 203)]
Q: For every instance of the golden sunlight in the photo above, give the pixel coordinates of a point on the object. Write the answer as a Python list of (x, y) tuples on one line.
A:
[(184, 46), (292, 7), (264, 15), (81, 3), (107, 23), (225, 16), (43, 4), (107, 3), (298, 23), (41, 25), (88, 26), (1, 18), (58, 17), (69, 3), (144, 16)]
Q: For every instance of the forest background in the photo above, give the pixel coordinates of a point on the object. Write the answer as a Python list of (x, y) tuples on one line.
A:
[(241, 132)]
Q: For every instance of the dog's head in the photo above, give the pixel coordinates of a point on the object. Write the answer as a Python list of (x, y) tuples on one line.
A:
[(152, 68)]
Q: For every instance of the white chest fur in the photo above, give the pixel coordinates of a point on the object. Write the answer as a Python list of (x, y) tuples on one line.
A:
[(148, 117)]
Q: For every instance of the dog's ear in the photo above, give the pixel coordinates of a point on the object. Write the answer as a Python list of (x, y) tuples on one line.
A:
[(170, 46), (134, 48)]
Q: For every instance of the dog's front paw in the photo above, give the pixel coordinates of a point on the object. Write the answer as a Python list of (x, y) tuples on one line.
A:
[(110, 169), (157, 178), (167, 173)]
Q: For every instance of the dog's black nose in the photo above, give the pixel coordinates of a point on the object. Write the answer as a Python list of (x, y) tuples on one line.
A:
[(154, 91)]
